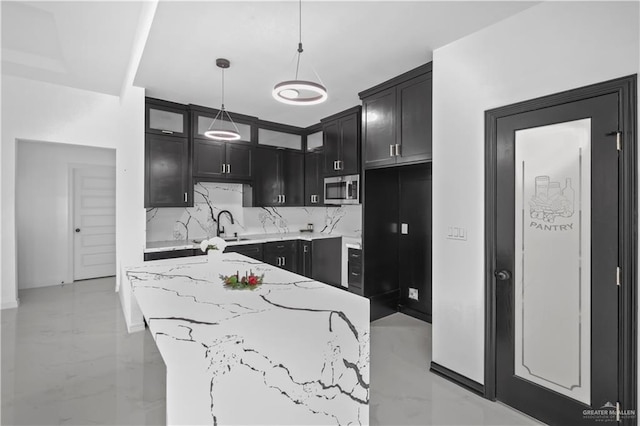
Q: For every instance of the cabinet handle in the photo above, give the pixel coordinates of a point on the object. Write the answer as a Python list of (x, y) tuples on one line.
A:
[(228, 168), (353, 273), (284, 261), (397, 149), (284, 199), (222, 167), (185, 197), (306, 249), (168, 132), (390, 150)]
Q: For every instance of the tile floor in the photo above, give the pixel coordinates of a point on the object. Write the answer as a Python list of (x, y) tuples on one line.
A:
[(67, 359)]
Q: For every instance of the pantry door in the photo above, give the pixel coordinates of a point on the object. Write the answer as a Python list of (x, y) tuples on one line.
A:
[(558, 215)]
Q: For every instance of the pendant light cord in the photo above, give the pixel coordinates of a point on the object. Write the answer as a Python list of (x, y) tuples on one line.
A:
[(223, 89), (299, 36)]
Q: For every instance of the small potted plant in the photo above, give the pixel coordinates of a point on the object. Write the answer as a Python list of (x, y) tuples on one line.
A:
[(214, 247)]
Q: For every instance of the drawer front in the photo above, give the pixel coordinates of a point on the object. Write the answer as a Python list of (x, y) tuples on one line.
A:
[(280, 247), (355, 256), (171, 254), (253, 251), (355, 275)]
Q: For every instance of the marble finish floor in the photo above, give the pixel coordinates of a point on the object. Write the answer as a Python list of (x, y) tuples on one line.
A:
[(67, 359), (404, 392)]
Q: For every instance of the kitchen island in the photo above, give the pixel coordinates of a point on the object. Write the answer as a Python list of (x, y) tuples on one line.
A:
[(292, 351)]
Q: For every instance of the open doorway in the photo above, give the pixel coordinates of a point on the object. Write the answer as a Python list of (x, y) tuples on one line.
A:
[(61, 188)]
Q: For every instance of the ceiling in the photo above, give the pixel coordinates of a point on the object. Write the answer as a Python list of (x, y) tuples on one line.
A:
[(351, 45), (86, 45)]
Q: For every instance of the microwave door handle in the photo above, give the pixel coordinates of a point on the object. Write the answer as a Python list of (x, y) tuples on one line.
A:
[(348, 190)]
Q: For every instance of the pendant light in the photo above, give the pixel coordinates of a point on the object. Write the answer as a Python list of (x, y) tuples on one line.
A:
[(300, 92), (220, 132)]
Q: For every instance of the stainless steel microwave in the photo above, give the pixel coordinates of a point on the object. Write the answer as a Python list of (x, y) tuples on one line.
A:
[(342, 190)]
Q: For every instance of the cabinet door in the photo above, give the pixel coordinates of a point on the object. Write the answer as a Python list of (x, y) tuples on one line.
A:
[(167, 174), (379, 127), (304, 258), (292, 178), (350, 144), (414, 119), (283, 254), (266, 169), (327, 261), (208, 159), (165, 120), (239, 161), (313, 179), (332, 148)]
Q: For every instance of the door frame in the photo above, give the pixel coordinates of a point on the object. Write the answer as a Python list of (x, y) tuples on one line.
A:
[(626, 88)]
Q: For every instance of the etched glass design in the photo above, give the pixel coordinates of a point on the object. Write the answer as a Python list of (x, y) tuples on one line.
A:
[(166, 120), (279, 139), (553, 257)]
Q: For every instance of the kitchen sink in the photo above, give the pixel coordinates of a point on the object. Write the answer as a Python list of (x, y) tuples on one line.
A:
[(227, 239)]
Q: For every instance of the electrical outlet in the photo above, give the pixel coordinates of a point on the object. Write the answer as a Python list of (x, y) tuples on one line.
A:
[(413, 293)]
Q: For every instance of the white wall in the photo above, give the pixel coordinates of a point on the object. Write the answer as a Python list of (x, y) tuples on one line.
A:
[(551, 47), (44, 210), (55, 114)]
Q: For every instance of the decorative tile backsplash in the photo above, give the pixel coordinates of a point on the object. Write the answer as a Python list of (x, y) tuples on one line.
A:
[(199, 221)]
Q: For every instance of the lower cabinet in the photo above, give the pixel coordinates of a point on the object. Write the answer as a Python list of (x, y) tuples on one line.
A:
[(305, 260), (283, 254), (354, 271), (171, 254), (253, 251), (326, 255)]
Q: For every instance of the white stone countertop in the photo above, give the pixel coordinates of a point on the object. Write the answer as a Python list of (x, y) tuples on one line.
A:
[(291, 352), (158, 246)]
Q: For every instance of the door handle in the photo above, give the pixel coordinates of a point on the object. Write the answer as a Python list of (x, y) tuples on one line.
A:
[(503, 275), (77, 229)]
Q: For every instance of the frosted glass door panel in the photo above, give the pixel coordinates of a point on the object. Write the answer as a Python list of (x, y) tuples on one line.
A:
[(553, 257), (279, 139), (168, 121), (204, 124)]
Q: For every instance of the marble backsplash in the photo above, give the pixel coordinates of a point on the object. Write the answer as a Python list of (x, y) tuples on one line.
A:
[(199, 221)]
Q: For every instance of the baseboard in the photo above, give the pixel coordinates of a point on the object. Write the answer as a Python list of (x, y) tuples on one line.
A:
[(10, 304), (415, 313), (459, 379)]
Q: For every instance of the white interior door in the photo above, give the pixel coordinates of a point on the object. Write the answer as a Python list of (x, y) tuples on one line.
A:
[(94, 199)]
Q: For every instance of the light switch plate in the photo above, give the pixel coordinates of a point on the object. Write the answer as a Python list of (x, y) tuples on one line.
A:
[(404, 228), (456, 233)]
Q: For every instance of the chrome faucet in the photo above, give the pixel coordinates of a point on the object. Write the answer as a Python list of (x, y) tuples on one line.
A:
[(220, 229)]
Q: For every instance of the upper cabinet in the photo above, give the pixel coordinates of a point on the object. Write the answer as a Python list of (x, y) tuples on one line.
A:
[(397, 117), (342, 143), (167, 171), (278, 177), (166, 118), (219, 160)]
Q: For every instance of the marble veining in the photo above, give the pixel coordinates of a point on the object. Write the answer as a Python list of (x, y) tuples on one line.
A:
[(199, 221), (293, 351)]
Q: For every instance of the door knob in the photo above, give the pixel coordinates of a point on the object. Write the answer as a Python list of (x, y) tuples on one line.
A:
[(77, 229), (503, 275)]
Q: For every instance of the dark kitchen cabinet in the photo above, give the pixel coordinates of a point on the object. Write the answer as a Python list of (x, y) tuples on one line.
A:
[(171, 254), (397, 240), (278, 177), (253, 251), (397, 118), (283, 254), (342, 143), (354, 271), (313, 179), (167, 172), (218, 161), (326, 256), (305, 260), (166, 118)]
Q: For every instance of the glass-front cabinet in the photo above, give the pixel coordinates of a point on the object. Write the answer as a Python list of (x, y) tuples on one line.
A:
[(166, 118)]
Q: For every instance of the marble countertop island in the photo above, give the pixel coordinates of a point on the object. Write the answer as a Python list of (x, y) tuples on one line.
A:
[(291, 352)]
